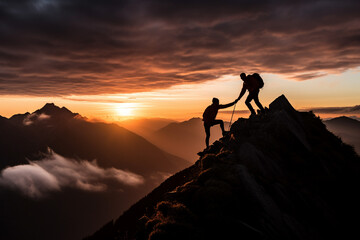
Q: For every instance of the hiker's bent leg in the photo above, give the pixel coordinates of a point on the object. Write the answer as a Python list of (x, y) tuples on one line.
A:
[(248, 104), (221, 124), (207, 131), (256, 99)]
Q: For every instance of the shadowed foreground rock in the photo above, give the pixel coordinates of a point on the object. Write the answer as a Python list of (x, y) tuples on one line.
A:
[(277, 176)]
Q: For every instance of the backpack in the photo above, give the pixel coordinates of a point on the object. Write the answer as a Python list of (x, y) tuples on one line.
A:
[(259, 79)]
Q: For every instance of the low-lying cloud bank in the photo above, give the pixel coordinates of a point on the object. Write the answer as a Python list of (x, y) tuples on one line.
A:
[(54, 172)]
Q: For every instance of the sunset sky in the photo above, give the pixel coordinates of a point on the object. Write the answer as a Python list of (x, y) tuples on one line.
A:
[(114, 60)]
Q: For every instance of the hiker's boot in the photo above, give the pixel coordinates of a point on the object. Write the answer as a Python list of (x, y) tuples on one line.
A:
[(202, 153), (252, 115)]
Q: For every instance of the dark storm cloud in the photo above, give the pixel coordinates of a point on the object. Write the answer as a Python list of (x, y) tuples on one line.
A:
[(53, 47)]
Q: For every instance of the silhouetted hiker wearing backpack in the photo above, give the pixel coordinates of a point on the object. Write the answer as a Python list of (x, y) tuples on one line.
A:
[(209, 116), (252, 83)]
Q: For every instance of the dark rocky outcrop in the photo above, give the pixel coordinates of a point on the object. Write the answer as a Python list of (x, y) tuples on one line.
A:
[(281, 175)]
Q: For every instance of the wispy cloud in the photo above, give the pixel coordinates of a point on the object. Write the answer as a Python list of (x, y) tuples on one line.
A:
[(336, 110), (54, 172), (34, 117), (101, 47)]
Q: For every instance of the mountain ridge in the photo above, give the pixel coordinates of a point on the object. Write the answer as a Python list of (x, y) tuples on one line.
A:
[(184, 139), (346, 128), (52, 109), (48, 110), (345, 120), (26, 137), (52, 125), (281, 175)]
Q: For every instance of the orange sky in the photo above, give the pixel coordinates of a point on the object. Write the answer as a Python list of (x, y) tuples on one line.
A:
[(182, 102), (114, 60)]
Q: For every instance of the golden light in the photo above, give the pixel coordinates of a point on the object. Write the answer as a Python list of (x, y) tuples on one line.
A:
[(125, 109)]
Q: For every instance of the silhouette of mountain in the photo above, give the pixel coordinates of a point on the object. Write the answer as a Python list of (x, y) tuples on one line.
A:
[(346, 128), (281, 175), (184, 139), (344, 122), (53, 110), (145, 127), (110, 144), (69, 214)]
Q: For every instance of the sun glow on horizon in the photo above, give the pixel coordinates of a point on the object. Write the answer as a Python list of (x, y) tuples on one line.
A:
[(182, 102), (125, 109)]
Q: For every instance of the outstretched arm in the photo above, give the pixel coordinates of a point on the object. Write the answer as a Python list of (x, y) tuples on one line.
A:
[(228, 105), (243, 90)]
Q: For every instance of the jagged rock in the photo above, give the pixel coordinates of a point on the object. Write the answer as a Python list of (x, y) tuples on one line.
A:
[(207, 161), (52, 110), (280, 175), (281, 103)]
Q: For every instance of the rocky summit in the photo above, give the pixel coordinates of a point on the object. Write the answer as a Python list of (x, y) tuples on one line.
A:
[(279, 175)]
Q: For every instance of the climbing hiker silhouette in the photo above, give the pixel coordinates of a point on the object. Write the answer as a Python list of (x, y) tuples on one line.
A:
[(252, 83), (209, 116)]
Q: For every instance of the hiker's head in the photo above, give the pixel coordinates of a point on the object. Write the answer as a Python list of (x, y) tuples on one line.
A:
[(243, 76), (215, 101)]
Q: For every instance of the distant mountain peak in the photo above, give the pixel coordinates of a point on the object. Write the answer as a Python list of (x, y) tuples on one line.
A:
[(3, 118), (48, 112), (343, 118), (55, 111), (49, 107), (194, 119), (50, 104)]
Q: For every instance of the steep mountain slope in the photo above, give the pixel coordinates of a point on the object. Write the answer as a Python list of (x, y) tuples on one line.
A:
[(69, 213), (346, 128), (276, 176), (184, 139)]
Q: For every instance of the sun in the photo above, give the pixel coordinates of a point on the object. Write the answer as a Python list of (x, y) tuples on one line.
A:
[(124, 109), (125, 112)]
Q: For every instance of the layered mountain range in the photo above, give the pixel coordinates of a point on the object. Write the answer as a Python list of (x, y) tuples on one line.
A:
[(184, 139), (346, 128), (279, 175), (25, 135), (61, 173)]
